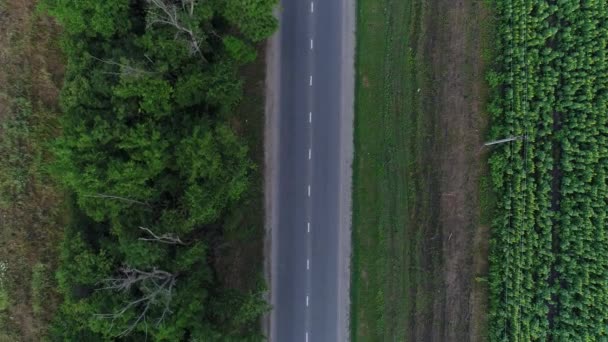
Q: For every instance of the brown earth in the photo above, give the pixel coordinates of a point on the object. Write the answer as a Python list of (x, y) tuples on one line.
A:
[(454, 44)]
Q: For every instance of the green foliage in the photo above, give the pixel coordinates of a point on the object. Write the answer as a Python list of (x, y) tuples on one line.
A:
[(235, 310), (494, 79), (148, 99), (216, 171), (253, 17), (152, 94), (81, 265), (239, 50), (188, 89), (90, 18), (224, 87), (549, 253)]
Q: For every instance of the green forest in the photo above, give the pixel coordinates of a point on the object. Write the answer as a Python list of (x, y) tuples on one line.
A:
[(153, 168), (549, 259)]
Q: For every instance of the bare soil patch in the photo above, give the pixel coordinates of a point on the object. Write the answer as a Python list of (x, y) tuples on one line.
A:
[(454, 45)]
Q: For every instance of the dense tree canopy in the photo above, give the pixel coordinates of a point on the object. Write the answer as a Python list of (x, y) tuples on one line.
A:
[(153, 166)]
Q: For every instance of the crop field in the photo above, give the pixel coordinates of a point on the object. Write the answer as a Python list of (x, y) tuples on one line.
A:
[(549, 252)]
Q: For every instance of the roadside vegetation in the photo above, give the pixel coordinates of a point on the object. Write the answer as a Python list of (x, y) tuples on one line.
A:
[(388, 177), (32, 214), (149, 176), (419, 237), (549, 254)]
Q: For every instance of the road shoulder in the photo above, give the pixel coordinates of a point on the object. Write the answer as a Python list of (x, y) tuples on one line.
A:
[(346, 160), (271, 168)]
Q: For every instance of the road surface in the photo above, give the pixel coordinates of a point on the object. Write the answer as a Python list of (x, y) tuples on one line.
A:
[(311, 136)]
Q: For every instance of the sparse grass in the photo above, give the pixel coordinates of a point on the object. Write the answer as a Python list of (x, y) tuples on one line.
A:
[(41, 285), (392, 269), (487, 197), (31, 213), (4, 299)]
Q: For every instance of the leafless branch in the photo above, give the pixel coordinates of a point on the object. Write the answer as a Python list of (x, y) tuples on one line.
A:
[(131, 276), (168, 14), (125, 69), (149, 59), (156, 287), (188, 5), (167, 238), (117, 198)]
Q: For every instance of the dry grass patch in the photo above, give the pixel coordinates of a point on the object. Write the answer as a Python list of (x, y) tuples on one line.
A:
[(31, 212)]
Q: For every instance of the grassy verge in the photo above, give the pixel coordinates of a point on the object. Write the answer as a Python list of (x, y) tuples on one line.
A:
[(421, 205), (31, 213), (392, 271)]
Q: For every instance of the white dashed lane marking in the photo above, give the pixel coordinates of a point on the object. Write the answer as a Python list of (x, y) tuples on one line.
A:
[(312, 9)]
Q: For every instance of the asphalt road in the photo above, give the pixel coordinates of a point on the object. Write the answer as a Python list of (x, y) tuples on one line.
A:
[(311, 229)]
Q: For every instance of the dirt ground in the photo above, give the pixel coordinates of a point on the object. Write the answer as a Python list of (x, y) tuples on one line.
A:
[(457, 35)]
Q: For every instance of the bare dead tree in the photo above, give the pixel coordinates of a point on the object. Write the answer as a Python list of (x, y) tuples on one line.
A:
[(168, 13), (167, 238), (124, 199), (156, 287), (188, 5), (125, 69)]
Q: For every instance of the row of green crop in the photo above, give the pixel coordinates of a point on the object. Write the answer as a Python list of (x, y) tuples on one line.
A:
[(582, 257), (548, 252)]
